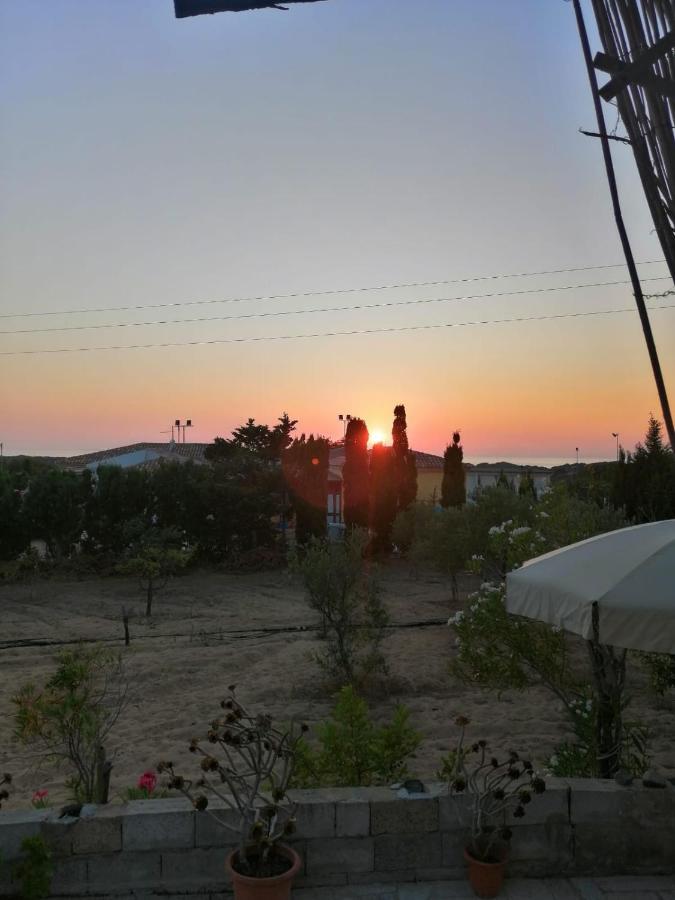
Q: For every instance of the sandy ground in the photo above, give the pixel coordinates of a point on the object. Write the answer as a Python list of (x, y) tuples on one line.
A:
[(202, 637)]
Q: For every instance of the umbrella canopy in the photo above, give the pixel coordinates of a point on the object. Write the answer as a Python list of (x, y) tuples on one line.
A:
[(629, 573)]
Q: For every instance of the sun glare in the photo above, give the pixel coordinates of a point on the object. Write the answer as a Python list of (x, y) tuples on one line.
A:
[(376, 437)]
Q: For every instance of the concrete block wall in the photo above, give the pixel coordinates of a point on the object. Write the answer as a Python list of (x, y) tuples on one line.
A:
[(348, 836)]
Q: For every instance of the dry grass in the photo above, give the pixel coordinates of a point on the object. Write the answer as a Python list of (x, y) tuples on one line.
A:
[(203, 637)]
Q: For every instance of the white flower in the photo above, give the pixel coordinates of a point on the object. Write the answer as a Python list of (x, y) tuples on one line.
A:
[(556, 628), (518, 531), (553, 761), (544, 515), (210, 517)]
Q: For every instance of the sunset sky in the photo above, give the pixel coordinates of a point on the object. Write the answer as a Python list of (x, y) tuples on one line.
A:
[(347, 144)]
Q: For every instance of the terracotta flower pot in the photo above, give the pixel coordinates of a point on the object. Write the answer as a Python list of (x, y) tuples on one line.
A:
[(486, 878), (278, 887)]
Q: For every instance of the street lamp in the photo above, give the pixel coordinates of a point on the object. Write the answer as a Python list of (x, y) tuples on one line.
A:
[(615, 434), (344, 418)]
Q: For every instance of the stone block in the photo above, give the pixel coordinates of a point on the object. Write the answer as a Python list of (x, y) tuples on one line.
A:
[(352, 818), (70, 877), (339, 855), (404, 816), (446, 873), (315, 814), (395, 876), (195, 868), (329, 879), (210, 830), (454, 812), (98, 834), (123, 870), (593, 801), (150, 825), (407, 851), (553, 843), (16, 825), (460, 890), (58, 835)]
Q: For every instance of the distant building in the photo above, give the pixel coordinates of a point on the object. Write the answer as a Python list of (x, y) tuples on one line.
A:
[(144, 454), (485, 475)]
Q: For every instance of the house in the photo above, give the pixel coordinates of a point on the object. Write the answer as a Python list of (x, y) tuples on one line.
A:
[(484, 475), (429, 479), (143, 454)]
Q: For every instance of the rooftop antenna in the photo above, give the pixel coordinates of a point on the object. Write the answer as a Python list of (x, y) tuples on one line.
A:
[(178, 425)]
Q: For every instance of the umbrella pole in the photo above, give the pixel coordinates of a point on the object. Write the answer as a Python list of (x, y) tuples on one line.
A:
[(609, 675)]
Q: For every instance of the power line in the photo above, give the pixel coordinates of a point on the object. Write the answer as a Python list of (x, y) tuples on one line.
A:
[(354, 290), (358, 331), (327, 309)]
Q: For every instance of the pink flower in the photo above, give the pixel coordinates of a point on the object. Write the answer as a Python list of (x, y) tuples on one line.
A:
[(39, 799), (147, 782)]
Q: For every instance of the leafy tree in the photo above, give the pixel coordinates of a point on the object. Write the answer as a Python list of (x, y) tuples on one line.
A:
[(71, 715), (453, 488), (305, 469), (383, 497), (342, 587), (14, 537), (405, 467), (645, 479), (447, 544), (53, 510), (355, 475), (155, 555), (260, 440), (114, 497), (353, 751)]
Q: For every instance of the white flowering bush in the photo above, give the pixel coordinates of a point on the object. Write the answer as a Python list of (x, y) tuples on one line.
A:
[(499, 652)]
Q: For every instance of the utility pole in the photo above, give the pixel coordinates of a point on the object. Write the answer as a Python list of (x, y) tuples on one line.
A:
[(615, 434), (623, 234)]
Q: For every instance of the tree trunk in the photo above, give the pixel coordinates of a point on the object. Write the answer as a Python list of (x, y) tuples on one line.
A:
[(125, 622), (148, 601), (101, 777), (609, 673)]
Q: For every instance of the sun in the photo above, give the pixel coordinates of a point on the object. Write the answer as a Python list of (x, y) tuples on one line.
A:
[(376, 436)]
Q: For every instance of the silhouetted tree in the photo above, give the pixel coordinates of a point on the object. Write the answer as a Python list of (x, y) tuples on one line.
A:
[(383, 497), (645, 480), (405, 468), (526, 487), (305, 469), (355, 475), (259, 440), (503, 482), (453, 488)]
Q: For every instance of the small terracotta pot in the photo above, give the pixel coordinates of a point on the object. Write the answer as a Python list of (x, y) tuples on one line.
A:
[(486, 878), (278, 887)]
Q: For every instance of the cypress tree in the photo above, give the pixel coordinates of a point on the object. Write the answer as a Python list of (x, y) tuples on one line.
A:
[(355, 476), (405, 468), (453, 489), (383, 497), (526, 487)]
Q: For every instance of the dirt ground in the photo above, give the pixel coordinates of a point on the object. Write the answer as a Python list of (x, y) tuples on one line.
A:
[(205, 633)]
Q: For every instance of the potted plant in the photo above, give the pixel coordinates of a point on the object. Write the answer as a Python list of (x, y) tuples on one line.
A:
[(497, 791), (248, 764)]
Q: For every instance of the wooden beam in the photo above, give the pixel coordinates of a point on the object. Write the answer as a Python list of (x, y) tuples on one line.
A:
[(185, 8), (639, 71)]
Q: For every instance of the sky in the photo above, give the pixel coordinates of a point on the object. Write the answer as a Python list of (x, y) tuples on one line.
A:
[(341, 145)]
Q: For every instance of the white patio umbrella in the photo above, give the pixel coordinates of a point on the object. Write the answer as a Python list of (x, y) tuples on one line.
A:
[(624, 580)]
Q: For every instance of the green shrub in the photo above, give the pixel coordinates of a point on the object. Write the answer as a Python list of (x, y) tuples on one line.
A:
[(343, 589), (35, 869), (70, 716), (660, 669), (353, 751)]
